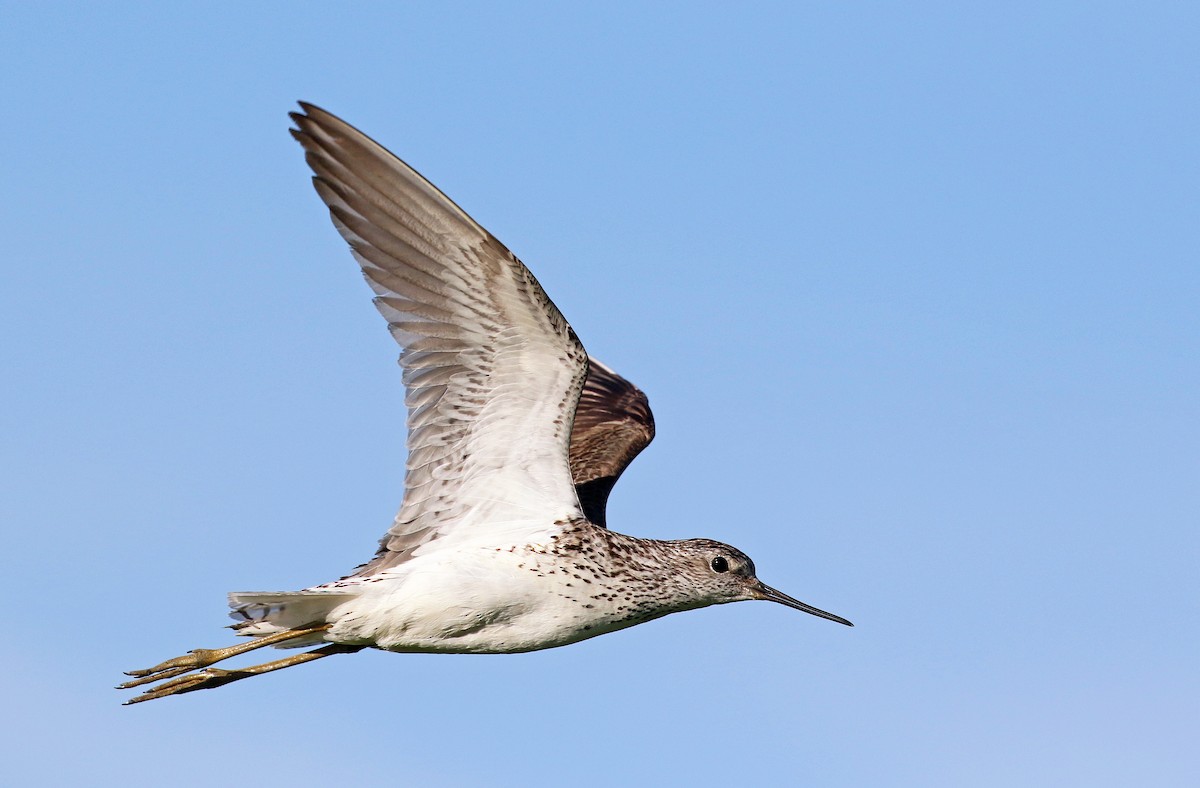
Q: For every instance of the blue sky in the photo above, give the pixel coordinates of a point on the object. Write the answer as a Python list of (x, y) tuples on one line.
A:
[(913, 291)]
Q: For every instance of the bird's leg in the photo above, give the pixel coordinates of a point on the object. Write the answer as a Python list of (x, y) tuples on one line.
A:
[(203, 657), (216, 677)]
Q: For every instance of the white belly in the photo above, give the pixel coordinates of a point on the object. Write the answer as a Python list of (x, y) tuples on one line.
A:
[(476, 600)]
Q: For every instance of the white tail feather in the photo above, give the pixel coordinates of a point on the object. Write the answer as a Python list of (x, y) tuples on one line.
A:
[(259, 614)]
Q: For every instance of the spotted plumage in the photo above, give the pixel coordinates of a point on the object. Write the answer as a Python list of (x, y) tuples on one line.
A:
[(515, 440)]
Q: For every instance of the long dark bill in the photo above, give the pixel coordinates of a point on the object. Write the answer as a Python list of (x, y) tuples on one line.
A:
[(778, 596)]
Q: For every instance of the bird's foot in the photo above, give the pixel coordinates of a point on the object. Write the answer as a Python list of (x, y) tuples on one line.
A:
[(203, 679), (177, 673), (193, 660)]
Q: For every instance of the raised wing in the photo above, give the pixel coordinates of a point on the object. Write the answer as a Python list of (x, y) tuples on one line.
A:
[(492, 371), (613, 423)]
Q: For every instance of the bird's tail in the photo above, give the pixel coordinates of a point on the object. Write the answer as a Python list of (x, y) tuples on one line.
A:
[(259, 614)]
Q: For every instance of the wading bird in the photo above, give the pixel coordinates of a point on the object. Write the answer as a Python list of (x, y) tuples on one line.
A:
[(515, 439)]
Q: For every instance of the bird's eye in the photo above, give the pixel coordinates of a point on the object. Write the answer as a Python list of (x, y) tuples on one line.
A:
[(720, 564)]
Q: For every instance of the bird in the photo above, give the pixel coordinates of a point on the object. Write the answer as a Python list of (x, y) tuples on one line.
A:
[(515, 438)]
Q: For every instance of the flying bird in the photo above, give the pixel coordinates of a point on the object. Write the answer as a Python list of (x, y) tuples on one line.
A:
[(515, 439)]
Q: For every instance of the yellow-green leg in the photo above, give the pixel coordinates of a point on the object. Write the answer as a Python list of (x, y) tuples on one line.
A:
[(209, 678), (203, 657)]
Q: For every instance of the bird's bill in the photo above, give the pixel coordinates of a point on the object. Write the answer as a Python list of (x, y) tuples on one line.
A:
[(768, 593)]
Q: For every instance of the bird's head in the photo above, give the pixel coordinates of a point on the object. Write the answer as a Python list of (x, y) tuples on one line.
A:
[(726, 574)]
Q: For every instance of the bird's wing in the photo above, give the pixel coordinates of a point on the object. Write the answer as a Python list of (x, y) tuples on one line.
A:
[(492, 370), (613, 423)]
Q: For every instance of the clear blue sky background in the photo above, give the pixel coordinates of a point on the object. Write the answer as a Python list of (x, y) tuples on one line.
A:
[(914, 292)]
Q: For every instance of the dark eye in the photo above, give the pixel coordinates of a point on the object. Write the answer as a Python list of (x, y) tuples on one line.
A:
[(720, 564)]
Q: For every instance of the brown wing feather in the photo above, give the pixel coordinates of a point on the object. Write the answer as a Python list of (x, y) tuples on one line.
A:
[(613, 423)]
